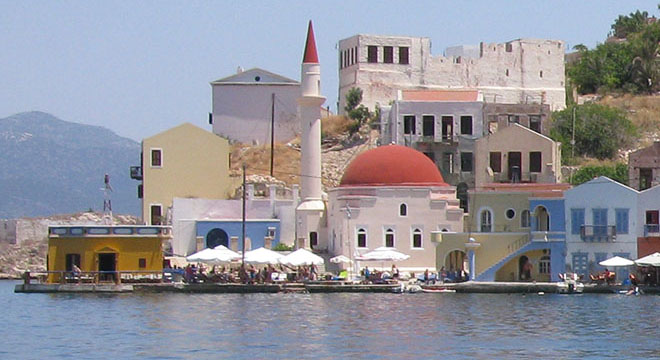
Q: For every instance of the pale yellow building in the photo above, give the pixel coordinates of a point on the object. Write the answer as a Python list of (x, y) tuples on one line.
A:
[(517, 154), (184, 162)]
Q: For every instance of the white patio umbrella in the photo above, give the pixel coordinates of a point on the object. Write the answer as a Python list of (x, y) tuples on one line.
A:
[(213, 256), (383, 254), (616, 261), (340, 259), (301, 257), (649, 260), (262, 256)]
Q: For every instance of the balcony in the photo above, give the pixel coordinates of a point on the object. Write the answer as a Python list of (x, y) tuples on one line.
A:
[(598, 233), (136, 172), (651, 229)]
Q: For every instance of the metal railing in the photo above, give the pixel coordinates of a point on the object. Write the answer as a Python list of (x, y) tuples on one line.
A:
[(94, 277), (651, 229), (598, 233)]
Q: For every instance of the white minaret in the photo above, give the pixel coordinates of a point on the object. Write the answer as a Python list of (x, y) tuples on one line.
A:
[(312, 208)]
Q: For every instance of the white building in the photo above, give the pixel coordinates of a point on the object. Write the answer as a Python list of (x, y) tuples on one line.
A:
[(519, 71), (243, 107), (601, 222), (391, 196)]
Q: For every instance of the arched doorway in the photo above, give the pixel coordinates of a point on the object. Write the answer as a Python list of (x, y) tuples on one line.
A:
[(456, 265), (217, 237), (542, 219), (524, 268)]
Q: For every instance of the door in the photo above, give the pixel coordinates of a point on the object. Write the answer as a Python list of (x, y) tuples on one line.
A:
[(107, 266), (217, 237), (447, 127), (515, 166)]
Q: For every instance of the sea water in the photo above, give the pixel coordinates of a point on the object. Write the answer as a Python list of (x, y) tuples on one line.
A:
[(328, 326)]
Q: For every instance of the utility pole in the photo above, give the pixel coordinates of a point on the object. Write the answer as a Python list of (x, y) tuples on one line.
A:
[(243, 224), (272, 133)]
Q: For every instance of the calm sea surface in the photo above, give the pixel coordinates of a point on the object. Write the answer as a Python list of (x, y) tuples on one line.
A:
[(328, 326)]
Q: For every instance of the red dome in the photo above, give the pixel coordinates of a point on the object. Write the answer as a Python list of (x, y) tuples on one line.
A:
[(392, 165)]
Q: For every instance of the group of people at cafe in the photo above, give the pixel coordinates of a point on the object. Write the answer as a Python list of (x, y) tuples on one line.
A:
[(243, 273)]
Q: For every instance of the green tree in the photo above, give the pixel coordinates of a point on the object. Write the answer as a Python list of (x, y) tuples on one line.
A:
[(645, 66), (599, 130), (617, 172), (355, 110), (607, 67), (625, 25)]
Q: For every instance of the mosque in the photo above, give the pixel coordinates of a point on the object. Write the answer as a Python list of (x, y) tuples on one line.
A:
[(391, 196)]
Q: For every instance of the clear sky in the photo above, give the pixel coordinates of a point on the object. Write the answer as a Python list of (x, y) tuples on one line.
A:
[(141, 67)]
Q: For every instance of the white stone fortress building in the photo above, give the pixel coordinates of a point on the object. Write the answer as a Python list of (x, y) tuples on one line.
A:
[(523, 71)]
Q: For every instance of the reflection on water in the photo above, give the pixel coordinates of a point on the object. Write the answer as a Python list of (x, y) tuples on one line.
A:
[(249, 326)]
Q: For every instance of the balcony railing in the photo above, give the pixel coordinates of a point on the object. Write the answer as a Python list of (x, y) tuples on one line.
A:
[(651, 229), (136, 172), (598, 233)]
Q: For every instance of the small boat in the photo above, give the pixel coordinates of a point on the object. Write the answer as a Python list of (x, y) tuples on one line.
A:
[(436, 289), (440, 290), (569, 284)]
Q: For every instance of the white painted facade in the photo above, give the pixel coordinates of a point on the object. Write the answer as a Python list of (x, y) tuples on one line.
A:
[(584, 246), (187, 211), (519, 71), (375, 210), (243, 105)]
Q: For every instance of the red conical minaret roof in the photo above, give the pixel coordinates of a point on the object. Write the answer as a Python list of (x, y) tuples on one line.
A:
[(310, 55)]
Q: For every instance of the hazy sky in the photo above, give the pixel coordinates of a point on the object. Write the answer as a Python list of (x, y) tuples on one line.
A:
[(141, 67)]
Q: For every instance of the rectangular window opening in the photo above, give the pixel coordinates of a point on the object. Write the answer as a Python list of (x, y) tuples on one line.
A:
[(372, 54), (388, 54), (403, 55)]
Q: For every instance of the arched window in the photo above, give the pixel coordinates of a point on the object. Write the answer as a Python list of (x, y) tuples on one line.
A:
[(362, 238), (417, 239), (389, 238), (403, 210), (486, 221), (217, 237), (524, 219)]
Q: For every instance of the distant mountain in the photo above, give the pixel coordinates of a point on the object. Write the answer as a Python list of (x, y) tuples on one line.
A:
[(49, 166)]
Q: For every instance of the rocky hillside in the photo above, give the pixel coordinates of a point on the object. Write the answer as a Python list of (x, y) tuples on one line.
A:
[(50, 166)]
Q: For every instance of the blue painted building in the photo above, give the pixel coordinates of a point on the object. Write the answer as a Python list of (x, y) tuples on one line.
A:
[(258, 233)]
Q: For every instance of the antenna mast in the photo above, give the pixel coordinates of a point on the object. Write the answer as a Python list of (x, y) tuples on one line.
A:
[(107, 201)]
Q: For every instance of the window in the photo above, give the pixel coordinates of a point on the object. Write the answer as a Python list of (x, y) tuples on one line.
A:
[(544, 264), (535, 123), (466, 125), (509, 47), (541, 73), (621, 221), (409, 124), (496, 161), (645, 178), (156, 215), (448, 163), (577, 220), (466, 161), (486, 221), (598, 257), (510, 214), (388, 54), (535, 161), (156, 157), (524, 219), (389, 238), (142, 263), (372, 54), (417, 239), (403, 55), (513, 119), (447, 128), (428, 125), (599, 221), (362, 238), (652, 221), (72, 259), (403, 210)]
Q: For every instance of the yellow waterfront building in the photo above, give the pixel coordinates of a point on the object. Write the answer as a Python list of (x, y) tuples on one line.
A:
[(102, 252)]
